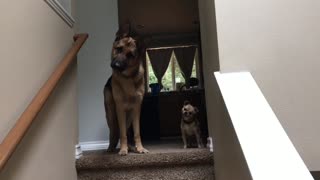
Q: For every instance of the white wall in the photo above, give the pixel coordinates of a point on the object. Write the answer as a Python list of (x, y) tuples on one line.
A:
[(229, 159), (34, 40), (279, 42), (66, 4), (210, 58), (100, 20)]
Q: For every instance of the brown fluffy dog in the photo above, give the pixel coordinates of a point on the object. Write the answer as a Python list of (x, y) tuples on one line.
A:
[(124, 91), (190, 124)]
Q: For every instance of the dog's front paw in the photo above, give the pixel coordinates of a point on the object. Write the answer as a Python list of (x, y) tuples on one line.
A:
[(123, 152), (141, 150), (184, 146)]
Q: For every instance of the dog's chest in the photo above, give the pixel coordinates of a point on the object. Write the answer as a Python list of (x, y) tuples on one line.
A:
[(127, 92), (131, 100), (189, 129), (131, 91)]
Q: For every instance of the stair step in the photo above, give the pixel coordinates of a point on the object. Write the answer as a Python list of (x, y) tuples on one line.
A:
[(104, 160), (165, 161), (199, 172)]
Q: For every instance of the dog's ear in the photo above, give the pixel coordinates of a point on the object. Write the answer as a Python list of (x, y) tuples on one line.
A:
[(123, 31), (186, 102), (196, 110), (141, 45)]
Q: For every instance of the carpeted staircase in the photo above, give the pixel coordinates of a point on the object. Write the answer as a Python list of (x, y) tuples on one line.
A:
[(164, 162)]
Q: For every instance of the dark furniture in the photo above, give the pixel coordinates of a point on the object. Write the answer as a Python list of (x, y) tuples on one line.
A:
[(161, 114)]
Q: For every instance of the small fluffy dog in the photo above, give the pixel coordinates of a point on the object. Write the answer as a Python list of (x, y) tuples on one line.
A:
[(190, 124), (123, 93)]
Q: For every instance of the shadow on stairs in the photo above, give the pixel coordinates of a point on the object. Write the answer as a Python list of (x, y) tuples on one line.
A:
[(166, 161)]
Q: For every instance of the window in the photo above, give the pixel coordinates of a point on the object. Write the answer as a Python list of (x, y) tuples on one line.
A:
[(172, 79)]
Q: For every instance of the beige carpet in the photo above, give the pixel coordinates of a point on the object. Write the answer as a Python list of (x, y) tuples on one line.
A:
[(167, 160)]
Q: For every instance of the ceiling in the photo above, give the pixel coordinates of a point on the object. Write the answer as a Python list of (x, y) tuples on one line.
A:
[(160, 17)]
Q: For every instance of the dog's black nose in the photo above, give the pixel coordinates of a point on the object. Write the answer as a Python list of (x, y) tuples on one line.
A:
[(118, 65)]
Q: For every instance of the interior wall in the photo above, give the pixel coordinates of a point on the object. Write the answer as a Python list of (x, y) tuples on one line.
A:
[(34, 41), (278, 42), (210, 60), (230, 163), (160, 17), (100, 20), (48, 149), (179, 25)]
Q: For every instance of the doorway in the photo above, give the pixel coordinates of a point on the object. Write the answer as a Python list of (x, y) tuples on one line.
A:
[(171, 26), (101, 19)]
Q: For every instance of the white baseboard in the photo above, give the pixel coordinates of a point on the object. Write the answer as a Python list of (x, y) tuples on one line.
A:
[(78, 152), (94, 145)]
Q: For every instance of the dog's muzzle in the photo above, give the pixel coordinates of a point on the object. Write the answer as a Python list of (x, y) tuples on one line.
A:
[(186, 113), (118, 65)]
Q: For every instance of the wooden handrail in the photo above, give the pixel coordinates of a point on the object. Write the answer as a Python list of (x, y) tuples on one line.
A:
[(10, 142)]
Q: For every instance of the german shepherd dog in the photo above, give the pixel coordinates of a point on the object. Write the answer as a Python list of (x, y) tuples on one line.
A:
[(124, 91)]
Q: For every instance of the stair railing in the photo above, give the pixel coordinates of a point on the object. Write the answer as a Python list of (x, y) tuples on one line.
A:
[(15, 135)]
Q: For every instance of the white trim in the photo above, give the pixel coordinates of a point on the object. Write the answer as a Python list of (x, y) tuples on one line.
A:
[(61, 11), (268, 151), (78, 152), (94, 145), (210, 143)]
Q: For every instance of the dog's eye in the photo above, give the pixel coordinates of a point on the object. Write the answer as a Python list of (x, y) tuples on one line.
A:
[(130, 55), (119, 49)]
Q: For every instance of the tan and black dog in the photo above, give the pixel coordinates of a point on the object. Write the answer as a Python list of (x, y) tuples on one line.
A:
[(189, 124), (124, 91)]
